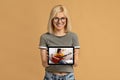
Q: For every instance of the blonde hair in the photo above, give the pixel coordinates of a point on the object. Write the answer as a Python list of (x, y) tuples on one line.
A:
[(54, 11)]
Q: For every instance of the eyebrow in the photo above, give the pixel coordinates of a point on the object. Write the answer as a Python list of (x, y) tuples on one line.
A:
[(60, 17)]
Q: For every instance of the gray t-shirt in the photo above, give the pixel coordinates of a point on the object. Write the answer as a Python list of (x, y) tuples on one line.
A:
[(70, 39)]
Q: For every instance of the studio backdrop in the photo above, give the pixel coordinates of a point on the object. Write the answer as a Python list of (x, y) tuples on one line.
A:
[(96, 23)]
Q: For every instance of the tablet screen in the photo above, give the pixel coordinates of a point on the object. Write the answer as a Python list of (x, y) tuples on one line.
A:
[(60, 55)]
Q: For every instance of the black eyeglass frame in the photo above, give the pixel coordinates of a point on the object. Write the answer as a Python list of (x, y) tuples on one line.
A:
[(56, 19)]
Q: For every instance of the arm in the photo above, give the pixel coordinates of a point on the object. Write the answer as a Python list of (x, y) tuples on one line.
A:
[(55, 57), (76, 57), (44, 57)]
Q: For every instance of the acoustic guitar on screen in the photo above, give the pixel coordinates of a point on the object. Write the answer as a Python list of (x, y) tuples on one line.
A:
[(58, 57)]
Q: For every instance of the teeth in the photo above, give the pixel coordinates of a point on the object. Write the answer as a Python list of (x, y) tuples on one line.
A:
[(59, 24)]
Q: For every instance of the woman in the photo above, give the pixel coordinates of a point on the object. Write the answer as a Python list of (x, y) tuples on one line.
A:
[(59, 34)]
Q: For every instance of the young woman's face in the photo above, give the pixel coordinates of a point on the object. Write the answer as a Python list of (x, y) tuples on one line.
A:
[(59, 21)]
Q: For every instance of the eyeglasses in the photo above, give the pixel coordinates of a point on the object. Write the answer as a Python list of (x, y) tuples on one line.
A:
[(56, 19)]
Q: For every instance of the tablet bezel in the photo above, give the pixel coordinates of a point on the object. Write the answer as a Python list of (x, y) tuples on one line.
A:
[(60, 47)]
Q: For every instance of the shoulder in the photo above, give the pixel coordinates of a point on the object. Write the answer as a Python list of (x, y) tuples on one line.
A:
[(72, 34), (44, 35)]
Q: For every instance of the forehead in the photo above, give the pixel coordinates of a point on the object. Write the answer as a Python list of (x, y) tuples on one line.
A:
[(60, 14)]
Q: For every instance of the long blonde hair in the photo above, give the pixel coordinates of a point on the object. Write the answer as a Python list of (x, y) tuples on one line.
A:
[(54, 11)]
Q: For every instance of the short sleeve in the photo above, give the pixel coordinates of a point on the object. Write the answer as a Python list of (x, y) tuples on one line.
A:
[(43, 42), (75, 41)]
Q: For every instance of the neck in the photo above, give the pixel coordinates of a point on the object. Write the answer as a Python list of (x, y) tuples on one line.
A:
[(59, 32)]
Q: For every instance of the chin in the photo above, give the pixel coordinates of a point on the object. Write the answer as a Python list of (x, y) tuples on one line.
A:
[(59, 29)]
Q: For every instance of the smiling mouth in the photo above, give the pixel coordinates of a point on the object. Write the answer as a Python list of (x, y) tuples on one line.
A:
[(60, 25)]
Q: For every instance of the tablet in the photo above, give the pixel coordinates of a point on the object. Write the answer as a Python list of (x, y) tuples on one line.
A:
[(60, 55)]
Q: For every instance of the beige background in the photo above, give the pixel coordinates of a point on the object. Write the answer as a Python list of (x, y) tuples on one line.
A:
[(96, 22)]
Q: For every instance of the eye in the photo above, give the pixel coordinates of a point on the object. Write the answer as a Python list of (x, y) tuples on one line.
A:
[(55, 18), (63, 18)]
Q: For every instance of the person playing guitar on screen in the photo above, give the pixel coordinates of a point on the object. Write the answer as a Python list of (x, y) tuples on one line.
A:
[(59, 57)]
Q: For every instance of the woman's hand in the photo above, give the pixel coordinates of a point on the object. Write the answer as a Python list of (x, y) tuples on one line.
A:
[(76, 57), (44, 57)]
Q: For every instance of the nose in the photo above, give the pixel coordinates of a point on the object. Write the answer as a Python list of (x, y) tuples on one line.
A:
[(59, 21)]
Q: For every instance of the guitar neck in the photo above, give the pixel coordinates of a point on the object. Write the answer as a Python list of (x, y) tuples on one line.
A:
[(66, 54)]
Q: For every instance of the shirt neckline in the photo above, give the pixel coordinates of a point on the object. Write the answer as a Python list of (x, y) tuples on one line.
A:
[(60, 36)]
